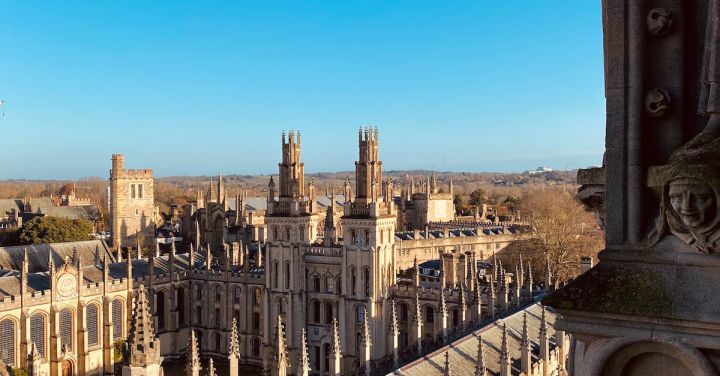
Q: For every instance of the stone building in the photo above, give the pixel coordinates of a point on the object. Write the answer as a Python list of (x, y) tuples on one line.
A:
[(648, 307), (132, 205), (15, 212), (428, 204)]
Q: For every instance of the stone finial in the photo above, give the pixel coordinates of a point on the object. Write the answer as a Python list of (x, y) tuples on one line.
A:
[(525, 351), (446, 370), (480, 366), (211, 368), (335, 351), (280, 356), (234, 347), (142, 347), (192, 367), (544, 339), (208, 257), (505, 361), (367, 342), (191, 257), (75, 257), (304, 360)]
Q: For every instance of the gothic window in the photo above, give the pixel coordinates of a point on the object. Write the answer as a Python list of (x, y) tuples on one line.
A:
[(287, 233), (429, 314), (237, 295), (403, 312), (287, 275), (218, 294), (7, 341), (302, 232), (217, 317), (353, 280), (140, 191), (198, 292), (117, 318), (360, 313), (216, 340), (329, 282), (338, 285), (353, 236), (181, 305), (66, 329), (132, 190), (316, 283), (274, 273), (366, 277), (316, 357), (91, 318), (328, 312), (37, 332), (256, 323), (367, 236), (257, 297), (198, 315), (255, 347), (275, 233), (316, 311), (160, 309), (358, 342)]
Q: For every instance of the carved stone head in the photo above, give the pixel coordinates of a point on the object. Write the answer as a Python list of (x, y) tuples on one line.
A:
[(693, 202)]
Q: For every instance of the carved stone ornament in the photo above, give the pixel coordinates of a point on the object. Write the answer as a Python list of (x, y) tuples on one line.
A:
[(659, 22), (66, 286), (657, 102)]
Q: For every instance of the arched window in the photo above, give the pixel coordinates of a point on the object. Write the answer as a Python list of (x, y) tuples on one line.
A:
[(366, 277), (198, 315), (132, 190), (287, 275), (7, 341), (91, 319), (256, 323), (353, 281), (338, 285), (255, 347), (403, 312), (160, 309), (216, 341), (329, 284), (217, 317), (198, 292), (429, 314), (37, 332), (360, 313), (316, 282), (117, 318), (66, 329), (181, 305), (218, 294), (274, 273), (238, 291), (316, 311), (328, 312)]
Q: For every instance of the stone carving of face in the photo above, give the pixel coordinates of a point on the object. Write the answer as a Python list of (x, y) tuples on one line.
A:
[(693, 201)]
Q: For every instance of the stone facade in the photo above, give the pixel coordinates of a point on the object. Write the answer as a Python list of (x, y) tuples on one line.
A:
[(132, 205)]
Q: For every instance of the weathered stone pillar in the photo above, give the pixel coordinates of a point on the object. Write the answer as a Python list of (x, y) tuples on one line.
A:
[(649, 306)]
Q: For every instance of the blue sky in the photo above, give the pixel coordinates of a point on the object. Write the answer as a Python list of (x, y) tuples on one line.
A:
[(192, 88)]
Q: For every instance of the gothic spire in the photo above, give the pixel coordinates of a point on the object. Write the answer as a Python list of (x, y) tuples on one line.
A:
[(525, 355), (367, 341), (447, 371), (335, 351), (480, 366), (505, 354), (192, 367), (304, 360), (211, 368), (281, 361), (234, 349), (142, 345)]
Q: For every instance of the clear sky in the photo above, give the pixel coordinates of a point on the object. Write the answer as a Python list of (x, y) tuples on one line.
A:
[(206, 87)]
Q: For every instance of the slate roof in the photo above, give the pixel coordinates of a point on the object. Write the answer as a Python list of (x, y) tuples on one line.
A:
[(463, 352), (45, 206), (11, 257), (260, 203)]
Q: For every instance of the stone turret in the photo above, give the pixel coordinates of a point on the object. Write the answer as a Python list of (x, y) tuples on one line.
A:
[(304, 360), (192, 367), (142, 348)]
